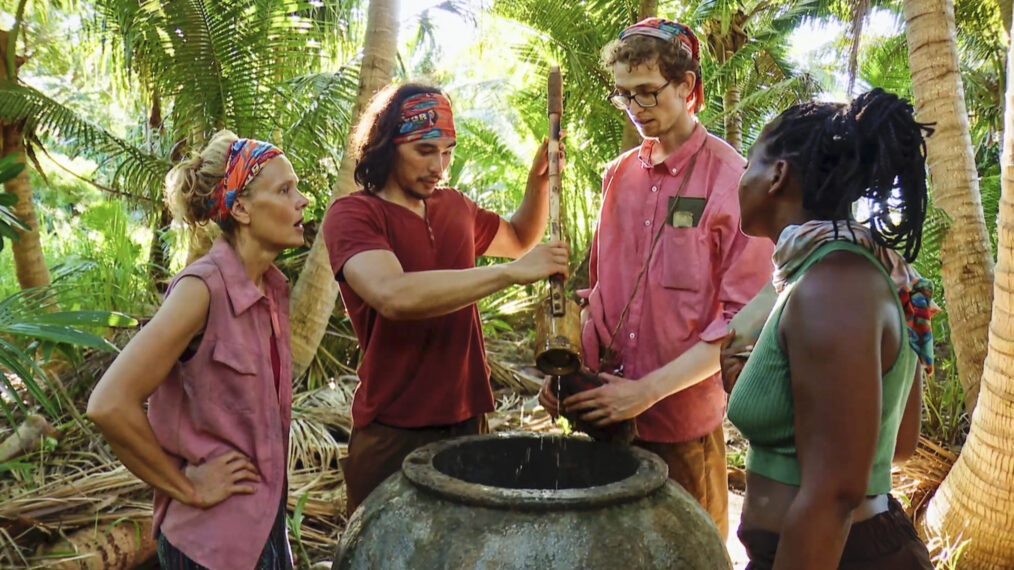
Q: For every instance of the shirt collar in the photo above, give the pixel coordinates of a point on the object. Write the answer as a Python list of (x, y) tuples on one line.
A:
[(675, 161), (239, 287)]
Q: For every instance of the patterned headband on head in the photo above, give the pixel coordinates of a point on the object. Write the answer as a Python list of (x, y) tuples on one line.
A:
[(244, 162), (677, 33), (425, 116)]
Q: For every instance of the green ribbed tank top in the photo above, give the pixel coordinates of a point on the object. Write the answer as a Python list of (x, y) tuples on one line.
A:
[(761, 404)]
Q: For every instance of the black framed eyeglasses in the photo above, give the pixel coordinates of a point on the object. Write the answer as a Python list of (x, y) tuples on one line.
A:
[(649, 99)]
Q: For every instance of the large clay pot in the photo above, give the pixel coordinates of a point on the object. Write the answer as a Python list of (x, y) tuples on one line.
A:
[(529, 501)]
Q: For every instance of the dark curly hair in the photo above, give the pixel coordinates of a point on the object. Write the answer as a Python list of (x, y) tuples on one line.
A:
[(372, 141), (872, 148)]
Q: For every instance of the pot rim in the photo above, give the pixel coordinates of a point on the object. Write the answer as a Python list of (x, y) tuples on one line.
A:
[(652, 473)]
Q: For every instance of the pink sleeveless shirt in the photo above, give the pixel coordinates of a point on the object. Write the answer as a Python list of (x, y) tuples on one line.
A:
[(223, 398)]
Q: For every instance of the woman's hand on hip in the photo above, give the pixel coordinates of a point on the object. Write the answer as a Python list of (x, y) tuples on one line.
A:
[(219, 478)]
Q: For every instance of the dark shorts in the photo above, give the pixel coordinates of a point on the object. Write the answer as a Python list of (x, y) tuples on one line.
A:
[(887, 541), (275, 556), (377, 450)]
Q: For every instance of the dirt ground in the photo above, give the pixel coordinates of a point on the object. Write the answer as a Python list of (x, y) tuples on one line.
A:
[(735, 447), (732, 544)]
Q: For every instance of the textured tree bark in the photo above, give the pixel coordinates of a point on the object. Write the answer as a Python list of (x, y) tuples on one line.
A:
[(29, 261), (315, 292), (631, 137), (126, 545), (967, 264), (976, 500), (733, 121), (724, 39)]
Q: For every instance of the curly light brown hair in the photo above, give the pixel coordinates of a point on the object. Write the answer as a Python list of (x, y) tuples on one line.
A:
[(672, 61)]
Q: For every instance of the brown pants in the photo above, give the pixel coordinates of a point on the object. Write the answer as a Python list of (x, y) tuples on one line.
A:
[(699, 466), (377, 450), (887, 541)]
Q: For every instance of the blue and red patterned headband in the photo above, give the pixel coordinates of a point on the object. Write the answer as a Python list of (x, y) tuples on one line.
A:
[(244, 162), (425, 116), (677, 33)]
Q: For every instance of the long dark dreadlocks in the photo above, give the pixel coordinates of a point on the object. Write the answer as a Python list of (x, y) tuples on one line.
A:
[(873, 149)]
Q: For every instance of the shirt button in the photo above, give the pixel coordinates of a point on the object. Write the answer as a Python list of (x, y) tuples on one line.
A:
[(675, 170), (632, 336), (647, 222), (654, 188)]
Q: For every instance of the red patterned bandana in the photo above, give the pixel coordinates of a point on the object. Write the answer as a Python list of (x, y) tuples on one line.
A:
[(245, 160), (669, 31), (425, 116)]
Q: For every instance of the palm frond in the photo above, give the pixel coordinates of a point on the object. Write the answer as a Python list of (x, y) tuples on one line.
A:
[(127, 168), (315, 121), (29, 314), (885, 65), (219, 63)]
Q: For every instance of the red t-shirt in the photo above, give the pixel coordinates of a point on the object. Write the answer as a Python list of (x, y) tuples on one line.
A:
[(423, 372)]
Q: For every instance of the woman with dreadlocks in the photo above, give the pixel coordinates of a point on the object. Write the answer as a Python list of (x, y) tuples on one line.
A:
[(830, 395)]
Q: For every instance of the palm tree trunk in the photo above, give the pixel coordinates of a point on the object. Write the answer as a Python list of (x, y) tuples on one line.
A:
[(159, 251), (315, 292), (976, 500), (29, 262), (860, 9), (733, 120), (967, 265), (631, 138)]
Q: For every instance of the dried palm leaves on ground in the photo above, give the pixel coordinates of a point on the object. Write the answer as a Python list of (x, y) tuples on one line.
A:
[(918, 478), (916, 481), (70, 503), (511, 365), (50, 495)]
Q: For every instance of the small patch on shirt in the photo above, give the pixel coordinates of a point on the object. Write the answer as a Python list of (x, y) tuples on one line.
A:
[(688, 212)]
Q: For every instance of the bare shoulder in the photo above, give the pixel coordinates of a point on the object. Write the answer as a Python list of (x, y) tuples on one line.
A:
[(838, 281), (840, 295), (190, 288), (186, 307)]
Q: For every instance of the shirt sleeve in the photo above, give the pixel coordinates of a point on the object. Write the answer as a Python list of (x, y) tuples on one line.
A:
[(487, 224), (352, 227), (743, 268)]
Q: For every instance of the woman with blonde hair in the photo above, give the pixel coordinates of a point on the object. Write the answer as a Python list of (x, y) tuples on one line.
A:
[(215, 368)]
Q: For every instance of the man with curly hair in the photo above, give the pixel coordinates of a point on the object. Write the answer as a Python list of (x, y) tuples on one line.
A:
[(669, 266)]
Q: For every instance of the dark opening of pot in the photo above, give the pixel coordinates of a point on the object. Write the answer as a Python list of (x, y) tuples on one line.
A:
[(537, 463)]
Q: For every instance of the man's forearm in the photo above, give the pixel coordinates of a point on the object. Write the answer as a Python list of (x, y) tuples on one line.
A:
[(425, 294), (700, 362)]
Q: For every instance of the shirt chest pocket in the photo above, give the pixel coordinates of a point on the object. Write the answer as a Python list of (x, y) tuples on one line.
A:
[(235, 384), (680, 244), (681, 258)]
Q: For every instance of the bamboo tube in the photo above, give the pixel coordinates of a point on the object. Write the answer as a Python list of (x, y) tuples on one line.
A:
[(558, 321)]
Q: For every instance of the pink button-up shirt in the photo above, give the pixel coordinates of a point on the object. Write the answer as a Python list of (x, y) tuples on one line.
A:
[(223, 399), (703, 270)]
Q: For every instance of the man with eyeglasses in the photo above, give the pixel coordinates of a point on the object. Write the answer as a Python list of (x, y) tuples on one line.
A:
[(669, 267)]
